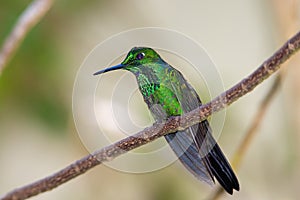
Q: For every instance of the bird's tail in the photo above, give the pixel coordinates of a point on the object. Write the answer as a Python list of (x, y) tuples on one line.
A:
[(213, 164), (221, 169)]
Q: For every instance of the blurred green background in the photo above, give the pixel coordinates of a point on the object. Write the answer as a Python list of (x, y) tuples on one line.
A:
[(37, 132)]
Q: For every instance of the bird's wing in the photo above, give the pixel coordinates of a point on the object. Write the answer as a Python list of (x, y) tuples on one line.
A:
[(185, 149), (210, 154), (184, 143)]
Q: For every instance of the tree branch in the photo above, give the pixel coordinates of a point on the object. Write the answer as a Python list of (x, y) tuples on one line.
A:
[(173, 124), (31, 16)]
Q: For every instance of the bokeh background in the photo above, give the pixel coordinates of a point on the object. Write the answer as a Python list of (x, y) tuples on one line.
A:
[(37, 131)]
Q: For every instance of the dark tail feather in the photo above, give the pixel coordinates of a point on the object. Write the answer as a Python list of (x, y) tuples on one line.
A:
[(214, 164), (214, 158), (221, 169)]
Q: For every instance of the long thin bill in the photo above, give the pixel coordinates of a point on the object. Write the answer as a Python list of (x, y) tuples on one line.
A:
[(120, 66)]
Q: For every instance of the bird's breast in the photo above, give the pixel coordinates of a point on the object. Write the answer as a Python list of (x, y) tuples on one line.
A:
[(161, 101)]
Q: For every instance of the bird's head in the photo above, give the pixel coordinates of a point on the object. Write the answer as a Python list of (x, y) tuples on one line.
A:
[(136, 61)]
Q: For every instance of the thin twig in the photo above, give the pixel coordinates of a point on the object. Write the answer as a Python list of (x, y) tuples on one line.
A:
[(252, 131), (258, 118), (30, 17), (173, 124)]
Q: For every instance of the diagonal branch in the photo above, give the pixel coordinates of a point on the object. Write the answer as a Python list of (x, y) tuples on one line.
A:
[(173, 124), (30, 17)]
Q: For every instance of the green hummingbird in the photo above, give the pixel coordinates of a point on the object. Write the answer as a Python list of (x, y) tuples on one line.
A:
[(167, 93)]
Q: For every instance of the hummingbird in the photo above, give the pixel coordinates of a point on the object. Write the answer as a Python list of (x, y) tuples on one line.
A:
[(167, 93)]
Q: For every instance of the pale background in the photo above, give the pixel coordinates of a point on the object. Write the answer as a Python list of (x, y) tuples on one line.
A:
[(37, 132)]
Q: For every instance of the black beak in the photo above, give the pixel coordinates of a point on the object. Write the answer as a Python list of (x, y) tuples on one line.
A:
[(120, 66)]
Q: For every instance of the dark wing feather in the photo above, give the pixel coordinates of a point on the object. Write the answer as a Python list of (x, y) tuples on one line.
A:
[(185, 149), (210, 161)]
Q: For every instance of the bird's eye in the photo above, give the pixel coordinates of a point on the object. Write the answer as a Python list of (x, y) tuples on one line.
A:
[(140, 56)]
